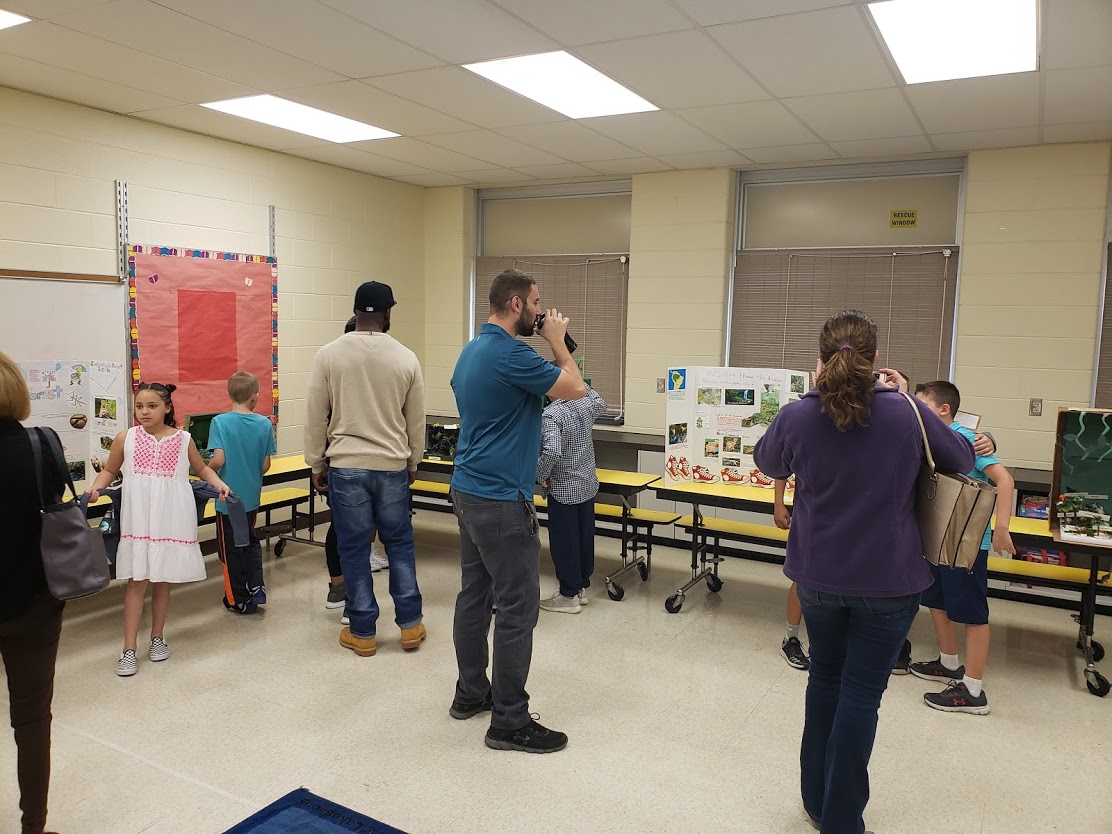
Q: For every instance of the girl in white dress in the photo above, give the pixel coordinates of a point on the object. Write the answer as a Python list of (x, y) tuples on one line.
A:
[(158, 519)]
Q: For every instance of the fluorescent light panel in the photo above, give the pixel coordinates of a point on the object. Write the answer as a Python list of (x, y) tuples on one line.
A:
[(300, 118), (562, 83), (938, 40), (10, 19)]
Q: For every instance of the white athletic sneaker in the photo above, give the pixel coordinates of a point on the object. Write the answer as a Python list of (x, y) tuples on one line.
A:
[(344, 620), (561, 604), (159, 649), (127, 665), (378, 561), (583, 596)]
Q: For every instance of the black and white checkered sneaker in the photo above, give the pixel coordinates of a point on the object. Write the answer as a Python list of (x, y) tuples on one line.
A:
[(159, 649), (127, 666)]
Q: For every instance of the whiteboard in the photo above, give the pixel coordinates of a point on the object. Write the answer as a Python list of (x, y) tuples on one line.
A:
[(52, 319)]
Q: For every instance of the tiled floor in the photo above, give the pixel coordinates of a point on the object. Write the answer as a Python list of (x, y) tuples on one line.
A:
[(678, 723)]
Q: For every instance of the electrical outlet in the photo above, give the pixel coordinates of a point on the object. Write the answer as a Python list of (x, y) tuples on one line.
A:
[(660, 385), (1036, 407)]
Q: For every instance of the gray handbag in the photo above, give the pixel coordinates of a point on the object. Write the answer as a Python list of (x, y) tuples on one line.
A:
[(73, 555), (953, 511)]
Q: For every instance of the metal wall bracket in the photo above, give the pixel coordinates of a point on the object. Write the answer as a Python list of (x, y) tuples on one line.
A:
[(121, 229)]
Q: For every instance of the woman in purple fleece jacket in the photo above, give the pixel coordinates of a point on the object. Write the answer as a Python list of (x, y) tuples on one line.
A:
[(855, 551)]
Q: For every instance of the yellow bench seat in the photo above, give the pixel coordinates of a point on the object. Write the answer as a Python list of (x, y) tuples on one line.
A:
[(727, 527), (287, 496), (1038, 570), (440, 488)]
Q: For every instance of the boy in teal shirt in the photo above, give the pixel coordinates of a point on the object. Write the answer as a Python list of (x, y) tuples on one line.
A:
[(960, 596), (241, 443)]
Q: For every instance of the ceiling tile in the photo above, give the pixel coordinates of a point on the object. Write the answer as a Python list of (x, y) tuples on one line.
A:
[(790, 153), (883, 147), (225, 126), (697, 71), (346, 156), (87, 55), (640, 165), (564, 170), (1076, 33), (417, 152), (974, 140), (1083, 132), (708, 159), (977, 104), (56, 82), (871, 114), (465, 96), (433, 180), (711, 12), (360, 101), (159, 31), (310, 31), (757, 124), (654, 133), (46, 9), (493, 148), (575, 22), (488, 176), (828, 51), (569, 140), (1078, 95), (464, 30)]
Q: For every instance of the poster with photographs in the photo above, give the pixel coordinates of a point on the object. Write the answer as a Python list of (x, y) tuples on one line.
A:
[(715, 416), (83, 401)]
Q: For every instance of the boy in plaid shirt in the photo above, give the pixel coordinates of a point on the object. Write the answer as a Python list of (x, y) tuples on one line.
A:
[(566, 471)]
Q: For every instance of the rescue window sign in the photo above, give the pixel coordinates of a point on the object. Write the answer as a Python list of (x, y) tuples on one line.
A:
[(906, 219)]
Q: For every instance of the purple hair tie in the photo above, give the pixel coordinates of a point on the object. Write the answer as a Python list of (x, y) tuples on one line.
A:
[(846, 347)]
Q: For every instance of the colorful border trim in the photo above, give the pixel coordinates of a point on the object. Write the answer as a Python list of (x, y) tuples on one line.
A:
[(212, 255)]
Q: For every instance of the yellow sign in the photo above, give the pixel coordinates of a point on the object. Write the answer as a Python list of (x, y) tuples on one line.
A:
[(906, 219)]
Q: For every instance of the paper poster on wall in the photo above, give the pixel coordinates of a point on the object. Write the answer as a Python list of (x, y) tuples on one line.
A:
[(64, 396), (715, 417), (197, 316)]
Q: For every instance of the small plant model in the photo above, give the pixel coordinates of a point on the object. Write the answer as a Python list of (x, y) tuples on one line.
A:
[(1082, 514)]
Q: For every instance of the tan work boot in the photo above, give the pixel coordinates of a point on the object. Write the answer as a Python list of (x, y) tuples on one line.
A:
[(362, 646), (412, 638)]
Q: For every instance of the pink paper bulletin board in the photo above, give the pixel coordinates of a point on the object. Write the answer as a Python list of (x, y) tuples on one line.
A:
[(197, 317)]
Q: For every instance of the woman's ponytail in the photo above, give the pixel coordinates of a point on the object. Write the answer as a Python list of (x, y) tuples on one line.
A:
[(847, 347)]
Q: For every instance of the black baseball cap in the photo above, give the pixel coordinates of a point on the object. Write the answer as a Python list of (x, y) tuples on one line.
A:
[(374, 297)]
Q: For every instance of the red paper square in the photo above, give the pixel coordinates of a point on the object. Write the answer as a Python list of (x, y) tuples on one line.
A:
[(207, 348)]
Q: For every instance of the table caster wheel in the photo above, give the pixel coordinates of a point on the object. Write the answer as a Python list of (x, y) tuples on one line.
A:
[(673, 604), (615, 592), (643, 569), (1097, 683), (279, 548), (714, 584)]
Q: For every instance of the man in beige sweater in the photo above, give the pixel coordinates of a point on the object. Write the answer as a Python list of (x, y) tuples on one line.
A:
[(364, 436)]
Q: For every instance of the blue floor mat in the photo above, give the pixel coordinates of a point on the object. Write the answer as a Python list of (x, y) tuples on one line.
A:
[(302, 812)]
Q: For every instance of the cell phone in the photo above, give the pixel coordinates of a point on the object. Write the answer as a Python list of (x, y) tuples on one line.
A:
[(569, 342), (881, 378)]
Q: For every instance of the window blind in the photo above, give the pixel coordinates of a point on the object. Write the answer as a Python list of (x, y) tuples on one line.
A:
[(782, 297), (589, 290)]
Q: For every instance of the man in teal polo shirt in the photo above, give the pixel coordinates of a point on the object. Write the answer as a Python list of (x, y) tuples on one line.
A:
[(498, 382)]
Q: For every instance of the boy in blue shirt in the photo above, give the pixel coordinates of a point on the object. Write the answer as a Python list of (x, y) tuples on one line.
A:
[(959, 596), (241, 443)]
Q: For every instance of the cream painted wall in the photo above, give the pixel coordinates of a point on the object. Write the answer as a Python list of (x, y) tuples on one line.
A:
[(681, 246), (335, 228), (1028, 304), (449, 257)]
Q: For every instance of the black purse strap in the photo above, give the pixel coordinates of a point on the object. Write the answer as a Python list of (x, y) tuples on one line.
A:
[(36, 436)]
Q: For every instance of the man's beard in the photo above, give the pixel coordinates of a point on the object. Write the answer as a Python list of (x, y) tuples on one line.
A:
[(525, 324)]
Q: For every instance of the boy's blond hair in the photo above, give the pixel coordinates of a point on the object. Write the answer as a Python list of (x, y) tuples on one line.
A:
[(242, 386), (15, 400)]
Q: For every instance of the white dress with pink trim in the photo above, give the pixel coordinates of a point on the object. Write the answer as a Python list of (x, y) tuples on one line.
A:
[(158, 522)]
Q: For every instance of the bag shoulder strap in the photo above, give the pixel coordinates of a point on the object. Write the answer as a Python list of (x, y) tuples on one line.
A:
[(923, 431), (57, 457), (36, 451)]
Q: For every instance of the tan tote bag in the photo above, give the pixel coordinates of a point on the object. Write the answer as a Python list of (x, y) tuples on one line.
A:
[(953, 510)]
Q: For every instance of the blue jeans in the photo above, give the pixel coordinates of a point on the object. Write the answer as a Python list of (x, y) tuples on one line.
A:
[(854, 644), (362, 500)]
